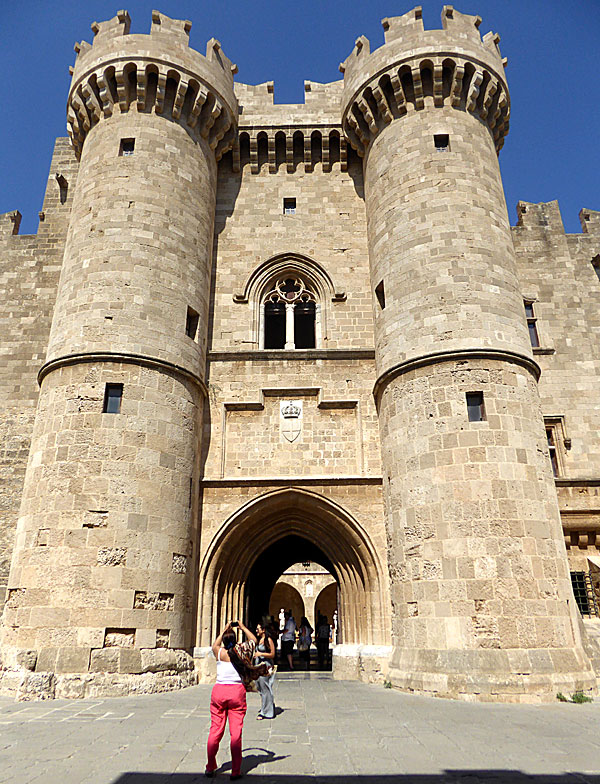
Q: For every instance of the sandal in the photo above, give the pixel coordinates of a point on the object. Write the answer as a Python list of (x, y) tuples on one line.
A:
[(260, 717)]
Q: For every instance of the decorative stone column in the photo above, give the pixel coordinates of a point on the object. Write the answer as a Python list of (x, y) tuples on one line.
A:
[(101, 583), (481, 595)]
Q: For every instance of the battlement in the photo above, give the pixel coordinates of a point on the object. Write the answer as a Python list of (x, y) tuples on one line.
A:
[(321, 105), (545, 215), (590, 221), (453, 66), (406, 35), (158, 72), (541, 215), (9, 223)]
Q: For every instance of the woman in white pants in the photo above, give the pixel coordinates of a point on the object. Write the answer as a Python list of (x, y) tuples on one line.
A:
[(265, 651)]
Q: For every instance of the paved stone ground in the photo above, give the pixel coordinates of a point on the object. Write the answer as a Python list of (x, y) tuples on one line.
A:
[(329, 731)]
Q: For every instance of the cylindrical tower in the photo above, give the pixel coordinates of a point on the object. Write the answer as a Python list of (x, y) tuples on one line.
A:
[(482, 602), (102, 570)]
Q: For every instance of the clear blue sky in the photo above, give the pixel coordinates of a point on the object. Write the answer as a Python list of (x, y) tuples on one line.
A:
[(552, 151)]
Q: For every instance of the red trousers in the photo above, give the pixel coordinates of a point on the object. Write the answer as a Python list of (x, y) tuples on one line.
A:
[(227, 702)]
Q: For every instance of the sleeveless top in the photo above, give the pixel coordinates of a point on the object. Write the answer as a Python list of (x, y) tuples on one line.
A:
[(261, 648), (226, 672)]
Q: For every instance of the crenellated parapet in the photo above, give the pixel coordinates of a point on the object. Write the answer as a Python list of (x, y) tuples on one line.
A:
[(159, 73), (449, 67)]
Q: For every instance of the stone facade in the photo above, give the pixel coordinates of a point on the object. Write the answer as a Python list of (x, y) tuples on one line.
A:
[(267, 334)]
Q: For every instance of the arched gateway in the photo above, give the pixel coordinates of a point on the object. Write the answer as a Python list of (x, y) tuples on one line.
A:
[(288, 525)]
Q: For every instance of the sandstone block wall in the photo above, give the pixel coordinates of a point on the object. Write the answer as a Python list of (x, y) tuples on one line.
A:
[(29, 270), (557, 273), (105, 541)]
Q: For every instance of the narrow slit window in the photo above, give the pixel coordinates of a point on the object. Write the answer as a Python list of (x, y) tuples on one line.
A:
[(441, 141), (191, 323), (531, 323), (63, 186), (289, 206), (475, 406), (113, 395), (127, 147), (380, 294), (552, 450)]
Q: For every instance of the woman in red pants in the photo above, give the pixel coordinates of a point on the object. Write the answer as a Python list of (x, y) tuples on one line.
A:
[(235, 672)]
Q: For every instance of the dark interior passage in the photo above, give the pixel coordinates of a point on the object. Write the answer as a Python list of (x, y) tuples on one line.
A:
[(271, 564)]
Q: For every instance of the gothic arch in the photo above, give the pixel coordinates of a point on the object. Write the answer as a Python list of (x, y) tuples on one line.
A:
[(294, 265), (263, 521)]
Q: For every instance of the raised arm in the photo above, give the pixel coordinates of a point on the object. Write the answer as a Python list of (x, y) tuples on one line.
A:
[(250, 635), (218, 640)]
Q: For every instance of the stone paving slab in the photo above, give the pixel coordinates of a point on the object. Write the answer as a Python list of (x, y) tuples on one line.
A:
[(328, 731)]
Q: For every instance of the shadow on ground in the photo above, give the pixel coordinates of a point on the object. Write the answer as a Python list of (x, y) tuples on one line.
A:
[(448, 777)]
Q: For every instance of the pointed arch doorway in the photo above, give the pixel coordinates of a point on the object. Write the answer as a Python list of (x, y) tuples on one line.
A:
[(271, 532)]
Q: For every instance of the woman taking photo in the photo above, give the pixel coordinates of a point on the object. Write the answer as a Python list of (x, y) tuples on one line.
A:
[(235, 673), (265, 654)]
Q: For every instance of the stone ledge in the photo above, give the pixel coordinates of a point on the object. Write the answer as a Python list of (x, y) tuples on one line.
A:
[(268, 355), (285, 481), (122, 357), (436, 357), (563, 481)]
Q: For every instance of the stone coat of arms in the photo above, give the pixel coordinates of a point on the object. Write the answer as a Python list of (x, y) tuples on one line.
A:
[(291, 419)]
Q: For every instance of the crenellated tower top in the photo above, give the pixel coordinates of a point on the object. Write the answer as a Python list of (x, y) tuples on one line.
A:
[(453, 66), (160, 73)]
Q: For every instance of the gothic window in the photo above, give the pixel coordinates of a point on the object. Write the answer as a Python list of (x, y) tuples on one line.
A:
[(290, 309)]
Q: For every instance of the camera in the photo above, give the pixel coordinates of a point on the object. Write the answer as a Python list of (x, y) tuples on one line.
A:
[(233, 624)]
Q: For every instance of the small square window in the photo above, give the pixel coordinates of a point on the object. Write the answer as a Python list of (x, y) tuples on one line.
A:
[(127, 147), (191, 323), (441, 141), (475, 407), (380, 294), (113, 394), (289, 206)]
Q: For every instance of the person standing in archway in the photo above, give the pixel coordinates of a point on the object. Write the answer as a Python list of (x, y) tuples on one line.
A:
[(265, 653), (322, 641), (235, 673), (305, 641), (288, 638)]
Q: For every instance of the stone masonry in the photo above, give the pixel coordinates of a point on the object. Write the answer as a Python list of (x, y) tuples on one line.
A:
[(248, 335)]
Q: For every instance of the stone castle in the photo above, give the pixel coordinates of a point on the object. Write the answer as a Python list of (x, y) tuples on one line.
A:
[(250, 335)]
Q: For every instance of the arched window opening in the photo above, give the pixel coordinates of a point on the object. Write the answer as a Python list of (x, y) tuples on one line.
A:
[(274, 325), (304, 325), (290, 312), (244, 149), (280, 149), (263, 149)]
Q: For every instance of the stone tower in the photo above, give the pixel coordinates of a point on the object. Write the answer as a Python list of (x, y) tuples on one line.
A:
[(149, 118), (478, 577)]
